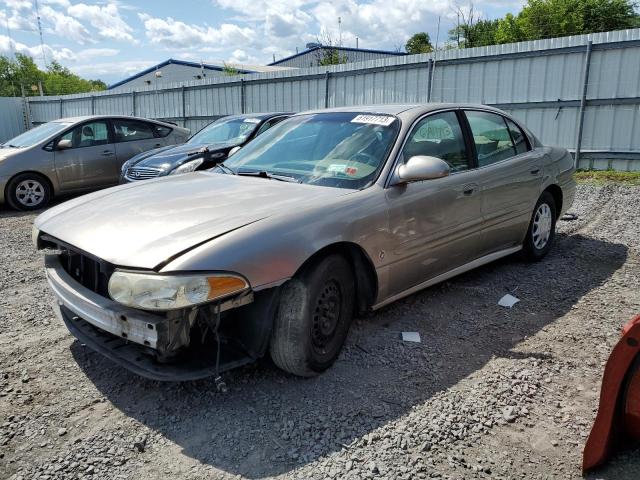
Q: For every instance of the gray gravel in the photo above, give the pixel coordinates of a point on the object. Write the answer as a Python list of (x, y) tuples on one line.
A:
[(489, 393)]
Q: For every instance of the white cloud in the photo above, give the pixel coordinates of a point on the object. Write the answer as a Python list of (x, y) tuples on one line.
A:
[(176, 34), (93, 53), (124, 68), (105, 19), (287, 24), (8, 46), (64, 26)]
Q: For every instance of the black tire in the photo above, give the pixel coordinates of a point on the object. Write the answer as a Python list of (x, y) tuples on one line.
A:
[(28, 191), (534, 246), (313, 317)]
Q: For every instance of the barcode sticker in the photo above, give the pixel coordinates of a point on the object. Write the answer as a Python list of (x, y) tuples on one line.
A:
[(384, 120)]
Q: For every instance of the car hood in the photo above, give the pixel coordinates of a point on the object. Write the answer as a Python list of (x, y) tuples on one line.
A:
[(143, 225), (6, 152), (168, 158)]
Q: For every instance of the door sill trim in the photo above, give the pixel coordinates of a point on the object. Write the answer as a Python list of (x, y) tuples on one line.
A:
[(478, 262)]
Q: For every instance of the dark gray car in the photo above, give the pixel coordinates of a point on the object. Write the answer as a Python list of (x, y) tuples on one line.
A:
[(74, 155), (204, 150), (327, 214)]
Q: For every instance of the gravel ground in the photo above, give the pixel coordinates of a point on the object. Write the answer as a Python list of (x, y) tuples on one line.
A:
[(489, 393)]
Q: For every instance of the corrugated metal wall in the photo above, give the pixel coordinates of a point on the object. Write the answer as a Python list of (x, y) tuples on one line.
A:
[(539, 82), (310, 58), (12, 118)]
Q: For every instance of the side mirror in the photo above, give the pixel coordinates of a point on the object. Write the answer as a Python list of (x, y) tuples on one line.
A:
[(233, 151), (422, 167), (64, 145)]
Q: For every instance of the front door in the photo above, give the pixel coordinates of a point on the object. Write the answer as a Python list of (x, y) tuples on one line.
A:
[(510, 175), (436, 225), (90, 161)]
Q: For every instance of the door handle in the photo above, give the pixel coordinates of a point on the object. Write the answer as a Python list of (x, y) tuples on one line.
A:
[(107, 153), (469, 189), (535, 171), (157, 145)]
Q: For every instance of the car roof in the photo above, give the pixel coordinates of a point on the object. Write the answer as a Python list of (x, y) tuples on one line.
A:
[(259, 116), (84, 118), (401, 108)]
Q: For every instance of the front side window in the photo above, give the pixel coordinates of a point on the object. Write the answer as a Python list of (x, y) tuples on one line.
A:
[(439, 136), (334, 149), (132, 130), (226, 130), (88, 135), (491, 136)]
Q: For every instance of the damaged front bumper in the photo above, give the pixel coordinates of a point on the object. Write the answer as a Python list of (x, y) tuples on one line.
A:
[(152, 345)]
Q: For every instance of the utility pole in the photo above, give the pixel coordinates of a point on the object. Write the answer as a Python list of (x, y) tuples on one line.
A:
[(44, 58)]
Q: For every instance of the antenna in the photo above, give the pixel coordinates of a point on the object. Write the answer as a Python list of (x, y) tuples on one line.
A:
[(11, 44), (44, 58), (339, 31)]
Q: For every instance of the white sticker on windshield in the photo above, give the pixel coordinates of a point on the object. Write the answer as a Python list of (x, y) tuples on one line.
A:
[(251, 120), (384, 120)]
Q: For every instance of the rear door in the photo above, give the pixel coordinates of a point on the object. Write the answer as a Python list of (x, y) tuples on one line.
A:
[(133, 137), (436, 224), (510, 174), (91, 160)]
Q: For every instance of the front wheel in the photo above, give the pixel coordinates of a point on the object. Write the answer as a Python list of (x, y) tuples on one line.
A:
[(28, 191), (542, 228), (313, 318)]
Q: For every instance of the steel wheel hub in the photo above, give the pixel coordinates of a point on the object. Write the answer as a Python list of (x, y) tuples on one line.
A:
[(542, 222), (326, 316), (30, 193)]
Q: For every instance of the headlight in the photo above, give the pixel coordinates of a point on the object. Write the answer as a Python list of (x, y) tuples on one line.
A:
[(170, 292), (187, 167), (34, 235)]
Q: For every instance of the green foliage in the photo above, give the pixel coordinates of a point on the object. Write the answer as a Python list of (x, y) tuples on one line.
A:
[(230, 70), (331, 56), (419, 43), (23, 75), (601, 177), (548, 18)]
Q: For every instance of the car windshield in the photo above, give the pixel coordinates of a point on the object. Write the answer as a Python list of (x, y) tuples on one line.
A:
[(36, 135), (226, 130), (335, 149)]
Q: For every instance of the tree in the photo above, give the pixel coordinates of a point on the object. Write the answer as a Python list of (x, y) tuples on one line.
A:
[(543, 19), (419, 43), (329, 52), (22, 75), (229, 70)]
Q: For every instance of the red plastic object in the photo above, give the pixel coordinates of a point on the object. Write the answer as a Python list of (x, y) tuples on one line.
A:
[(618, 419)]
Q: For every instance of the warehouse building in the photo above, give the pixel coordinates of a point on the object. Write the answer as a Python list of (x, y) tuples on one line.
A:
[(315, 52)]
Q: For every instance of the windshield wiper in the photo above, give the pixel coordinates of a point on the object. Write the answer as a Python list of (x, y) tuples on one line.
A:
[(226, 169), (270, 176)]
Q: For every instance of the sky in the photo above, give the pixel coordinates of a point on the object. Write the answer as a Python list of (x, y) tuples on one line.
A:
[(113, 39)]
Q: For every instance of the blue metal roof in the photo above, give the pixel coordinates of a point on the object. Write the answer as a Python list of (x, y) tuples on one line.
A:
[(176, 62), (347, 49)]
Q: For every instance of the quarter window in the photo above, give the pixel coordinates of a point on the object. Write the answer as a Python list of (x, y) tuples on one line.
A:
[(518, 137), (491, 136), (132, 130), (438, 136), (161, 131), (88, 135)]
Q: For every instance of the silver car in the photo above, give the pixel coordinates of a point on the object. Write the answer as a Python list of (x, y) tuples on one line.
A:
[(326, 215), (74, 155)]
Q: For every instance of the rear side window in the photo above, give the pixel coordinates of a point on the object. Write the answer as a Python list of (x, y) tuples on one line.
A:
[(518, 137), (161, 131), (491, 137), (132, 130), (438, 136)]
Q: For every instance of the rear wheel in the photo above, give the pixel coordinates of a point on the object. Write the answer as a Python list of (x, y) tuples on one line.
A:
[(28, 191), (542, 228), (313, 318)]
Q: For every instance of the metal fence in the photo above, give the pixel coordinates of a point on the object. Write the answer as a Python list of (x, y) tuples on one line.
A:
[(580, 92), (13, 120)]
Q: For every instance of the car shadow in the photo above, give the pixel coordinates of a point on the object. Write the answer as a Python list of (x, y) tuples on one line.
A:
[(270, 422)]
